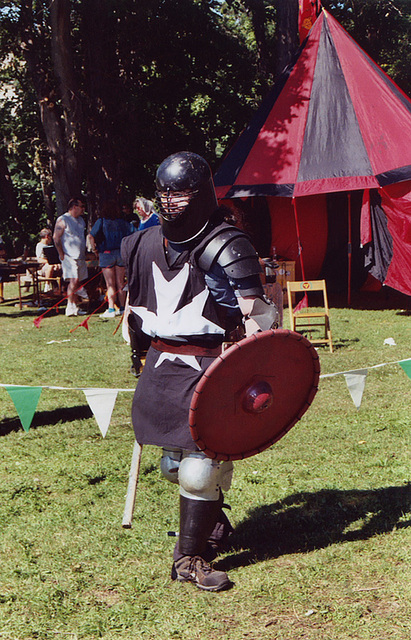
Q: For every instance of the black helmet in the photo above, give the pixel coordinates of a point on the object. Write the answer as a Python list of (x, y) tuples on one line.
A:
[(185, 196)]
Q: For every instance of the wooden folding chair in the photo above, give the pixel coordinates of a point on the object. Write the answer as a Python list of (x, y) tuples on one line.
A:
[(303, 317), (27, 281), (42, 280)]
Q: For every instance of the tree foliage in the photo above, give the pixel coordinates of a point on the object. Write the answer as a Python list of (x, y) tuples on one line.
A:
[(115, 85), (383, 29), (95, 93)]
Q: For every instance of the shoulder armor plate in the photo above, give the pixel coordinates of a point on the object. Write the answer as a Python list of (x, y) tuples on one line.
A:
[(233, 251)]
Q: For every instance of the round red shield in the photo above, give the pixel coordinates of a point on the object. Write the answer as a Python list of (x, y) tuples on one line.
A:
[(253, 393)]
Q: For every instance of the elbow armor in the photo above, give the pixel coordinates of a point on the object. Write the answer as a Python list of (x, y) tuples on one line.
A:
[(265, 314)]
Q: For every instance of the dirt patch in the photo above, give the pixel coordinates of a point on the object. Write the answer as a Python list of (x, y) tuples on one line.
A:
[(108, 597)]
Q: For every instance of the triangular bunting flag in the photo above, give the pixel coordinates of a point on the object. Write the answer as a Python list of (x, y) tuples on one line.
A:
[(37, 321), (101, 402), (406, 365), (356, 382), (25, 399)]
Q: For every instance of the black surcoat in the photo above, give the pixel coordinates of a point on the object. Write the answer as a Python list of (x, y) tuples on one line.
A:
[(171, 301)]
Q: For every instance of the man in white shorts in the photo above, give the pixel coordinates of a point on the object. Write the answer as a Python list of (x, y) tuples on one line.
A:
[(70, 242)]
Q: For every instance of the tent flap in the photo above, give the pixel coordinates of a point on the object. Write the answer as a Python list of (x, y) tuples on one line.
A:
[(396, 203), (378, 251)]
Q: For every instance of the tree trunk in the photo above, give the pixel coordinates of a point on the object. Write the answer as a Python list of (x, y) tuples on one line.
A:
[(58, 129), (47, 192), (258, 18), (101, 70), (287, 33), (9, 196), (63, 68)]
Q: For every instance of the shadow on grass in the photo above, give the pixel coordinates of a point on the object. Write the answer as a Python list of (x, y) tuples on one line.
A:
[(338, 343), (45, 418), (386, 298), (21, 313), (307, 521)]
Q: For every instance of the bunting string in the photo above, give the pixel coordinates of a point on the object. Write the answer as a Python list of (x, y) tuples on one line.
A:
[(84, 323), (375, 366), (45, 386), (37, 321), (102, 400)]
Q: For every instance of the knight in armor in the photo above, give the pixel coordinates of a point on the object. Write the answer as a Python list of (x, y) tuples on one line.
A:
[(194, 284)]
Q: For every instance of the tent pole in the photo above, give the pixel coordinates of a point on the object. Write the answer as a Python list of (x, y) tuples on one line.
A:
[(349, 250), (297, 228), (304, 301)]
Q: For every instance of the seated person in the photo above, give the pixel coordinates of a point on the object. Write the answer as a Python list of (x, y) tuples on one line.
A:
[(47, 270)]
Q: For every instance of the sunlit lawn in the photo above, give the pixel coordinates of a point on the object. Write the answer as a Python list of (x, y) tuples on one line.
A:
[(323, 538)]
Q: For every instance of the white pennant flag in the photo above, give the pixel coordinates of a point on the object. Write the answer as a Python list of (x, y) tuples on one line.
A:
[(356, 382), (101, 402)]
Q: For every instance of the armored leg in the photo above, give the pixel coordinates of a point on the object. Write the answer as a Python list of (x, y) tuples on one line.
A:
[(197, 522), (218, 540), (170, 463), (201, 481)]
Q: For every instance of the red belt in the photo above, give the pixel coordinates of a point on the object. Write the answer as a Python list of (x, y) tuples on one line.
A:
[(184, 349)]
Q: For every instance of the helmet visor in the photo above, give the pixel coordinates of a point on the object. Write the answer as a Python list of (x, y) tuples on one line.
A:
[(172, 204)]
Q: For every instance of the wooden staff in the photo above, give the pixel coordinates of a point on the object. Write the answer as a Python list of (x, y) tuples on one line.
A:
[(132, 486), (138, 448)]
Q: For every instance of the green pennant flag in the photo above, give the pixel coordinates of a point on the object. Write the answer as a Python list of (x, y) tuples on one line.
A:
[(406, 365), (25, 399)]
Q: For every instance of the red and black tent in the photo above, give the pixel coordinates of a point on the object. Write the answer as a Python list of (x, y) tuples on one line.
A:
[(333, 123)]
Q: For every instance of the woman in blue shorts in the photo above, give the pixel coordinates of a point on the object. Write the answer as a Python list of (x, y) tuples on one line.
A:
[(105, 238)]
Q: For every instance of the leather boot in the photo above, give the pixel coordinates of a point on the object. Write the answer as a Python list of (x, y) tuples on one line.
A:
[(197, 521)]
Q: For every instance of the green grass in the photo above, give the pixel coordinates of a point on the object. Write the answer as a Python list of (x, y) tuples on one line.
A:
[(322, 548)]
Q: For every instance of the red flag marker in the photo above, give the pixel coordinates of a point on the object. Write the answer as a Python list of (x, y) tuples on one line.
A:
[(303, 304), (84, 323)]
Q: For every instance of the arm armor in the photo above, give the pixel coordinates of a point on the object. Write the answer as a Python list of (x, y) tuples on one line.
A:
[(235, 254), (139, 343), (264, 313)]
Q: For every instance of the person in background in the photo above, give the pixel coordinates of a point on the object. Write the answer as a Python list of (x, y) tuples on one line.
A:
[(130, 215), (146, 212), (47, 270), (46, 240), (105, 238), (70, 242)]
